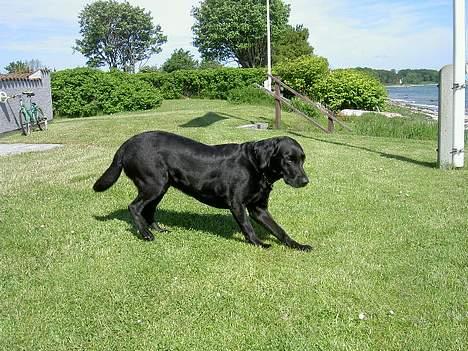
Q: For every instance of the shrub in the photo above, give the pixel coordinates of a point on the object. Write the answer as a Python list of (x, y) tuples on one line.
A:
[(82, 92), (249, 95), (214, 83), (306, 108), (303, 73), (347, 88)]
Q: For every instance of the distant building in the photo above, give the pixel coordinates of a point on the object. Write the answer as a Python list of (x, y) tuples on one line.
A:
[(13, 84)]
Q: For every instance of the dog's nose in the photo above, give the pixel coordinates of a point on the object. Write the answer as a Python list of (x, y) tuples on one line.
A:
[(305, 181)]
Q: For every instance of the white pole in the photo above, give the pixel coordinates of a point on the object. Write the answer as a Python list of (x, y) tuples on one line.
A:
[(268, 44), (458, 82)]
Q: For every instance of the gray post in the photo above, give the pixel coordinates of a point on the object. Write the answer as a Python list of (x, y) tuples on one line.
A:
[(444, 154)]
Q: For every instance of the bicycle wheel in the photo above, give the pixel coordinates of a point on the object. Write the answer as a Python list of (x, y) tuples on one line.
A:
[(41, 119), (25, 125)]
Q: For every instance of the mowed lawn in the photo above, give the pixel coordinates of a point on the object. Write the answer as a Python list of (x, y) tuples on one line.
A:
[(389, 231)]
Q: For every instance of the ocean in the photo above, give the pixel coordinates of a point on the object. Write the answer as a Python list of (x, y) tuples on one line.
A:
[(426, 96)]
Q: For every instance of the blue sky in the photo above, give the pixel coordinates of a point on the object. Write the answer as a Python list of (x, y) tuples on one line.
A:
[(380, 34)]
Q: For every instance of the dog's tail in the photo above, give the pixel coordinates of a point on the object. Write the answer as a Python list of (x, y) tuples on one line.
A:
[(111, 174)]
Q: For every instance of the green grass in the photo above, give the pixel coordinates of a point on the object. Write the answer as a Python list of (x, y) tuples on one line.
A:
[(389, 232), (374, 124)]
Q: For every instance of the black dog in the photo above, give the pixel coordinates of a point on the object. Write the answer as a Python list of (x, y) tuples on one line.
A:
[(232, 176)]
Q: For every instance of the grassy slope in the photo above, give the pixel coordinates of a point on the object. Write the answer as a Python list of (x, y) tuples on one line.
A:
[(389, 231)]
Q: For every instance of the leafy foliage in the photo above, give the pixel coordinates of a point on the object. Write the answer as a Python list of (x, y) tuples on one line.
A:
[(302, 74), (215, 83), (236, 29), (347, 88), (87, 92), (405, 76), (17, 67), (249, 95), (180, 59), (291, 44), (24, 66), (117, 34)]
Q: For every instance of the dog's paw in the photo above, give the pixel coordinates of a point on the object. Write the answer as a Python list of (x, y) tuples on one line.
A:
[(159, 229), (147, 235), (265, 246), (304, 247)]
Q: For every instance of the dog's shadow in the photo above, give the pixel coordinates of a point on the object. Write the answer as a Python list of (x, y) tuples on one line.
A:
[(222, 225)]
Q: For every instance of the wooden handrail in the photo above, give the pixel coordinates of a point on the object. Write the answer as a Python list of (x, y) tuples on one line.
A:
[(304, 98), (284, 100)]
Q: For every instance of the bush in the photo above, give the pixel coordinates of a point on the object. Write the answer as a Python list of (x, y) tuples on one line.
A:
[(306, 108), (249, 95), (82, 92), (303, 73), (214, 83), (347, 88)]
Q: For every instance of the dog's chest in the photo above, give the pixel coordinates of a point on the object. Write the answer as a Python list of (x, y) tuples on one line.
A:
[(259, 193)]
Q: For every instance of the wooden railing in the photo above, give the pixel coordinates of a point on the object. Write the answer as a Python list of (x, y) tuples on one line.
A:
[(281, 99)]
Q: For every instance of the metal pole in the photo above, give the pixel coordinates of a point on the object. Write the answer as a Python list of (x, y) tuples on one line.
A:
[(458, 82), (268, 45)]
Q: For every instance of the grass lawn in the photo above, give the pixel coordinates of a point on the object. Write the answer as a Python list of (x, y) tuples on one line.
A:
[(388, 270)]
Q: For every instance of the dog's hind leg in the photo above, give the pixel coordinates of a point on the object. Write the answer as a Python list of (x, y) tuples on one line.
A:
[(147, 194), (149, 212)]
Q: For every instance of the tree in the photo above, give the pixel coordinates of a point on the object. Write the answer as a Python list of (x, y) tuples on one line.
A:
[(24, 66), (17, 67), (180, 59), (236, 29), (118, 34), (291, 44), (209, 64)]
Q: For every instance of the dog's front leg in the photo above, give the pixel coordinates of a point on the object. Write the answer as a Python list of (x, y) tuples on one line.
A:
[(240, 215), (264, 217)]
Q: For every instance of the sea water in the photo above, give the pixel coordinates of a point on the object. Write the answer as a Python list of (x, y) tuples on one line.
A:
[(426, 96)]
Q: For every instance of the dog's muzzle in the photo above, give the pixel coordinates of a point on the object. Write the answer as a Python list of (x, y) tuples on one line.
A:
[(298, 182)]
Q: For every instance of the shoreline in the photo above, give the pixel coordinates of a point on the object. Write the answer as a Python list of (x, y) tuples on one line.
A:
[(432, 114), (410, 85)]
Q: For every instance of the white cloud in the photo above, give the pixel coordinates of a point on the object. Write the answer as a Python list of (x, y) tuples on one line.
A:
[(380, 34), (376, 34)]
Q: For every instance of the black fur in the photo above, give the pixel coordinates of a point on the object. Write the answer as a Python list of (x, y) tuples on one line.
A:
[(238, 177)]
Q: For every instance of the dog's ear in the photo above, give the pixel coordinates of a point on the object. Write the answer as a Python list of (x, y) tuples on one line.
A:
[(264, 151)]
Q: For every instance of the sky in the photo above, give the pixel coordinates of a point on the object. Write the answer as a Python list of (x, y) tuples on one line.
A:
[(391, 34)]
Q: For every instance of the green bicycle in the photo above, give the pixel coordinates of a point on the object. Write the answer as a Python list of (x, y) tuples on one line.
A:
[(30, 114)]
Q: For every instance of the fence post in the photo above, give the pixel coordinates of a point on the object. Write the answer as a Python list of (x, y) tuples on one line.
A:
[(331, 125), (277, 106)]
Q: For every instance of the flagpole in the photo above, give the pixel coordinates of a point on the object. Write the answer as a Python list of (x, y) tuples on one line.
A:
[(268, 45), (458, 82)]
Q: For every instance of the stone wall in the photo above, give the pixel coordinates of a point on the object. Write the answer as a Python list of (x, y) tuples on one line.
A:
[(13, 84)]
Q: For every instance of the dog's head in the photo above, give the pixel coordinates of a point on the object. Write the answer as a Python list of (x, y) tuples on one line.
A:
[(282, 157)]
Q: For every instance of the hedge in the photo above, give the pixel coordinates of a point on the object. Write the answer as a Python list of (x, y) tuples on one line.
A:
[(83, 92), (203, 83), (87, 92)]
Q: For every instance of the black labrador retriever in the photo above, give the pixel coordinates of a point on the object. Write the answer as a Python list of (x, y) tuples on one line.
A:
[(237, 177)]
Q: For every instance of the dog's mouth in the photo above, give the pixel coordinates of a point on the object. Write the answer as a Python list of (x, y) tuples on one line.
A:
[(298, 182)]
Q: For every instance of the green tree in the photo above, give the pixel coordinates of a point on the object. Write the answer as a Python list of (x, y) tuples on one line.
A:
[(236, 30), (180, 59), (24, 66), (291, 44), (209, 64), (118, 35), (17, 67)]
